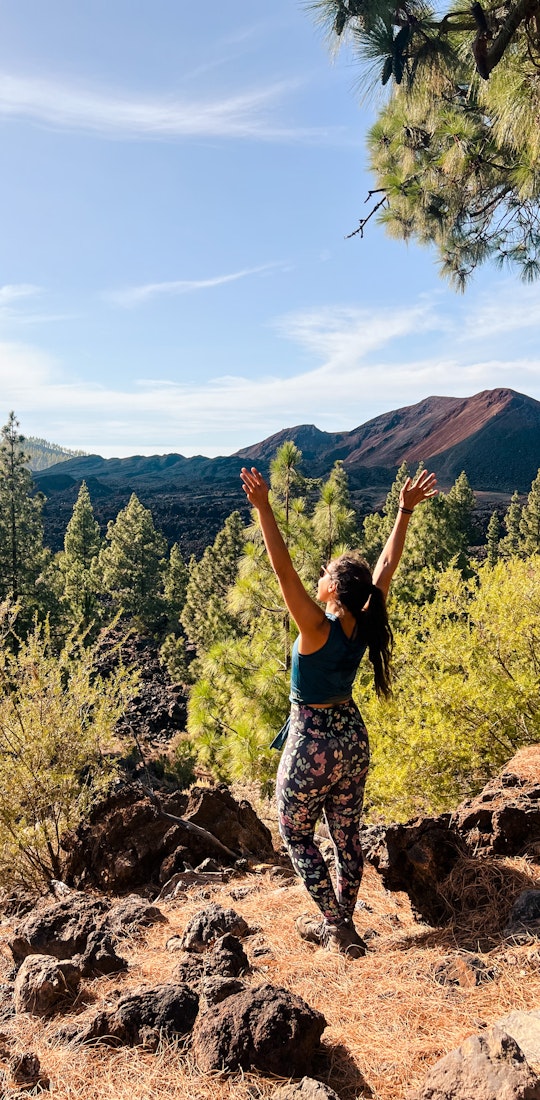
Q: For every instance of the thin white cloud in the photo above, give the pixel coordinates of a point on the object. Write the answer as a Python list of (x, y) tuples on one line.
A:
[(14, 292), (248, 114), (344, 335), (514, 308), (358, 376), (135, 295)]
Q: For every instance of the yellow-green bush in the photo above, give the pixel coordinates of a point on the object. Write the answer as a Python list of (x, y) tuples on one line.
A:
[(57, 719)]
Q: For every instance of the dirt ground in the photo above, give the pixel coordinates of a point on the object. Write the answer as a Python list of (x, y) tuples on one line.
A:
[(388, 1017)]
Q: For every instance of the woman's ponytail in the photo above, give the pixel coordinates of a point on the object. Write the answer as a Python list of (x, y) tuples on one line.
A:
[(356, 592), (380, 640)]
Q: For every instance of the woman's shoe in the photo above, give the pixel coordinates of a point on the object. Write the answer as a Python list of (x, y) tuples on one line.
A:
[(344, 939), (312, 929)]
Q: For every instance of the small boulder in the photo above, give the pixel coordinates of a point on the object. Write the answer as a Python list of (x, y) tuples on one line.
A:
[(217, 989), (140, 1017), (99, 957), (268, 1029), (306, 1089), (132, 913), (524, 1027), (62, 929), (227, 959), (209, 924), (490, 1066), (45, 985)]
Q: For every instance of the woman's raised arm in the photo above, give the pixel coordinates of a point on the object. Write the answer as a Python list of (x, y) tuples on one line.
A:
[(307, 614), (412, 493)]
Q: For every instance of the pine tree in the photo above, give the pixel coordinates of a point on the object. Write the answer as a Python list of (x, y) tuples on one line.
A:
[(376, 527), (206, 617), (82, 544), (460, 504), (133, 563), (176, 582), (454, 154), (530, 520), (285, 478), (493, 538), (22, 557), (510, 544), (334, 520)]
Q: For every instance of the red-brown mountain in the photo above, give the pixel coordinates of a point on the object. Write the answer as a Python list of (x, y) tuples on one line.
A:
[(493, 436)]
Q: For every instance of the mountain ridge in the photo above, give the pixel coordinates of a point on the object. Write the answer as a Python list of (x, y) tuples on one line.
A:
[(494, 436)]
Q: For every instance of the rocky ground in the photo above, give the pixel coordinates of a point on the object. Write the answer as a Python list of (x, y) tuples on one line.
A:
[(151, 995)]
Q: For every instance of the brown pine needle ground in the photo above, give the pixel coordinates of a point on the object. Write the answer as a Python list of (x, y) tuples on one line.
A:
[(388, 1017)]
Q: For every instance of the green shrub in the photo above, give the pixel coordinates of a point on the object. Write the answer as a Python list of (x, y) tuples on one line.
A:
[(57, 721)]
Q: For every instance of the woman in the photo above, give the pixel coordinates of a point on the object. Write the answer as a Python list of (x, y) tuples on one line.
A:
[(325, 761)]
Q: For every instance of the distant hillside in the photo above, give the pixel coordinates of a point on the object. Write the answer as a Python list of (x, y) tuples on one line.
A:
[(44, 454), (493, 436)]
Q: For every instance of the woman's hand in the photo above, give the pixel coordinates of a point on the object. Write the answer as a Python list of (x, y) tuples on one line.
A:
[(255, 487), (414, 492)]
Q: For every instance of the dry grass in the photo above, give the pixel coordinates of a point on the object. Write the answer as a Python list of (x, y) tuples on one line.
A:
[(388, 1017)]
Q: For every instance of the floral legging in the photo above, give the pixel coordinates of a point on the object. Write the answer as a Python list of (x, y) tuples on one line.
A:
[(323, 770)]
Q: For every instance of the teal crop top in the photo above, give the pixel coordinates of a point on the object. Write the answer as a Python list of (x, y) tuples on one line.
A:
[(326, 676)]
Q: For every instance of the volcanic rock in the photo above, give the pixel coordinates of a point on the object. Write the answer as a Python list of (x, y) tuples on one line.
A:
[(141, 1016), (487, 1067), (417, 857), (44, 985), (99, 957), (126, 842), (504, 819), (61, 930), (227, 958), (267, 1028), (524, 1027), (209, 925), (306, 1089)]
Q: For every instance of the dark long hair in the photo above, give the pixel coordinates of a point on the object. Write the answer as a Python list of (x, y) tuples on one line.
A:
[(354, 588)]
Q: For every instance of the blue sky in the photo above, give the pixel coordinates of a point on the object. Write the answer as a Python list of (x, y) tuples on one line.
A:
[(177, 184)]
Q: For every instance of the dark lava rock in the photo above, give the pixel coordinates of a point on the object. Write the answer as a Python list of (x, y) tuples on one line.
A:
[(159, 709), (227, 958), (234, 823), (99, 957), (268, 1029), (504, 819), (62, 929), (132, 913), (126, 842), (417, 857), (217, 989), (140, 1016), (209, 925)]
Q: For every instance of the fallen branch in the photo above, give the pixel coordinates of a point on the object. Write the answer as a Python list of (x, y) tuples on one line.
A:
[(180, 882)]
